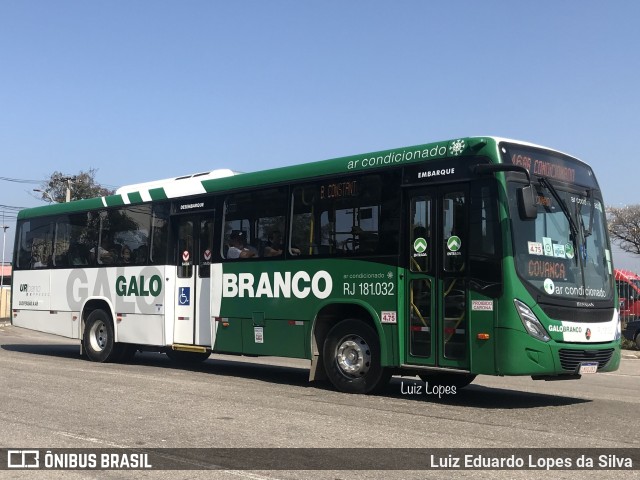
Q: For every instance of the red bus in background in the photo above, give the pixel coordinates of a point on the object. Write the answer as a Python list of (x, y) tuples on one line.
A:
[(628, 284)]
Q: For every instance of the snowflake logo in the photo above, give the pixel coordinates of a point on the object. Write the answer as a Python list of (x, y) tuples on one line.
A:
[(390, 275), (457, 147)]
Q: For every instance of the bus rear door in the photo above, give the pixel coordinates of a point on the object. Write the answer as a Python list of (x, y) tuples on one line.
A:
[(193, 234)]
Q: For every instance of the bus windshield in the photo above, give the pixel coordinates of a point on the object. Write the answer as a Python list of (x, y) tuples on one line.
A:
[(564, 252)]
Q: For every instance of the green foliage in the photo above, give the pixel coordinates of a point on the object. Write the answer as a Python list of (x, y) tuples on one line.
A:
[(83, 185)]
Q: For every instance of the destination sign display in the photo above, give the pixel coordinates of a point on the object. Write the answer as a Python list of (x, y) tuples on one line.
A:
[(339, 189), (549, 165), (541, 269)]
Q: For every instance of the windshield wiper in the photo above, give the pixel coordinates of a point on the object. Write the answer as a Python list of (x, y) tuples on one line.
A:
[(587, 231), (563, 206)]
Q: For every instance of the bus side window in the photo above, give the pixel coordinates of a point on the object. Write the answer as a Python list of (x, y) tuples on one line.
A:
[(304, 223), (129, 231), (249, 220), (159, 237), (351, 215), (36, 244), (485, 251), (73, 240)]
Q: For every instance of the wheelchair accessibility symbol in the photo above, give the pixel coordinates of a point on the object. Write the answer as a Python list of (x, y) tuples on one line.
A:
[(184, 296)]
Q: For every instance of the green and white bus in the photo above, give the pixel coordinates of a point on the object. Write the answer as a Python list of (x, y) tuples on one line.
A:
[(446, 260)]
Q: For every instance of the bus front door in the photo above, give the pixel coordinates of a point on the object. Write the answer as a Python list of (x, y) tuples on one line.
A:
[(436, 331), (194, 237)]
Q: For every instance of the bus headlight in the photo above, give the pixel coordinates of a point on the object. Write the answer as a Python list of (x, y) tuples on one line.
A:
[(531, 322)]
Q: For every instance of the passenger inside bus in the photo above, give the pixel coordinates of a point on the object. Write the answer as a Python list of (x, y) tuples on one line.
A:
[(273, 245), (126, 255), (105, 253), (78, 255), (36, 262), (238, 247), (274, 248)]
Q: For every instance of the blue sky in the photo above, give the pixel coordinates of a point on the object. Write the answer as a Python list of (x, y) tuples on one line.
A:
[(144, 90)]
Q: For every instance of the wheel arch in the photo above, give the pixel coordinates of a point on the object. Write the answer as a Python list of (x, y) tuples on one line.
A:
[(98, 303), (327, 317)]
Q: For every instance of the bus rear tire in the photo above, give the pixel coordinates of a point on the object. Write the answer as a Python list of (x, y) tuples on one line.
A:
[(98, 340), (352, 358)]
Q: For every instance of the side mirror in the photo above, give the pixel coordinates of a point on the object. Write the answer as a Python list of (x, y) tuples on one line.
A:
[(527, 203), (526, 195)]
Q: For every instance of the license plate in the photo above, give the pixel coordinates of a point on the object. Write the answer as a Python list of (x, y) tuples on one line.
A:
[(588, 368)]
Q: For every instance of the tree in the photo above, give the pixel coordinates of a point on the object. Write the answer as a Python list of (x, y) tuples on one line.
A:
[(82, 185), (624, 227)]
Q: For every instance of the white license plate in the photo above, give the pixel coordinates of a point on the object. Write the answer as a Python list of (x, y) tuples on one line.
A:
[(588, 368)]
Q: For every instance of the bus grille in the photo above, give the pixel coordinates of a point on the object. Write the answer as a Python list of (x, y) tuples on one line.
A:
[(582, 315), (571, 359)]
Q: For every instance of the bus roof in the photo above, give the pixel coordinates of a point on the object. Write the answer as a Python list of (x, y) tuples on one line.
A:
[(225, 179), (626, 275), (185, 182)]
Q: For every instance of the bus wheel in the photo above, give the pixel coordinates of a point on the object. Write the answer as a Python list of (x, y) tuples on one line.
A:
[(457, 380), (352, 358), (98, 338), (180, 356), (638, 340)]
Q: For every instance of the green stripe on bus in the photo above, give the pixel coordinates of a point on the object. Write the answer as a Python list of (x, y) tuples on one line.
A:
[(135, 197), (157, 194), (114, 200)]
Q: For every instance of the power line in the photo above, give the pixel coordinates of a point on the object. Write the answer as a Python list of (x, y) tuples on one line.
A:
[(9, 212), (20, 180), (39, 182)]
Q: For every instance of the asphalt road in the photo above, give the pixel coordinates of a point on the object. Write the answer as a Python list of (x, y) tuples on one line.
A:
[(52, 398)]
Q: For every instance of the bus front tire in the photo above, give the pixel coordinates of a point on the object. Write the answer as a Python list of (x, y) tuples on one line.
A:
[(352, 358), (98, 340)]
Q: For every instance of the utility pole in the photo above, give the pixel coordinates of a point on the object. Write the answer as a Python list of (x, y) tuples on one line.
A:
[(69, 180), (4, 236)]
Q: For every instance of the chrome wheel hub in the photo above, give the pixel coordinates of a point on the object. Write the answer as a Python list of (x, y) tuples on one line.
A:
[(353, 356), (98, 336)]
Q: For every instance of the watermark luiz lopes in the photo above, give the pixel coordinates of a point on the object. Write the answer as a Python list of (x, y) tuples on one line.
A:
[(418, 388)]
